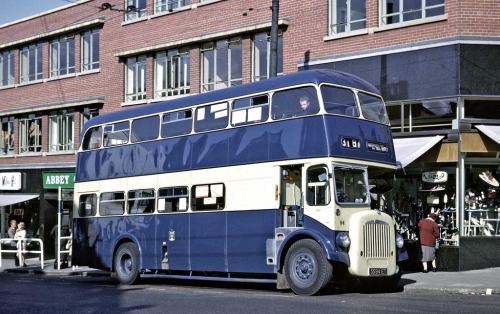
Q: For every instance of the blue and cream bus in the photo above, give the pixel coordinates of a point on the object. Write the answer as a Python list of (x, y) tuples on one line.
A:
[(264, 182)]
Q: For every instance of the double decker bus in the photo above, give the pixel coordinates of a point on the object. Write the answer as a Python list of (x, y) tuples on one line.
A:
[(264, 182)]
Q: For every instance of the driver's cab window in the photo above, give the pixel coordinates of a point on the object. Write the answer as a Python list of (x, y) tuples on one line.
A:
[(318, 187), (350, 185)]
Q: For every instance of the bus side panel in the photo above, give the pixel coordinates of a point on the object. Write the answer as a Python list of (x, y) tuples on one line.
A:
[(298, 138), (210, 149), (208, 241), (246, 241), (249, 145), (173, 232), (85, 249), (175, 154)]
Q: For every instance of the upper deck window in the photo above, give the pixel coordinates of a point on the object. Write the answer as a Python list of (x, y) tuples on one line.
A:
[(339, 101), (177, 123), (373, 108), (295, 102), (145, 129), (211, 117), (249, 110), (92, 139), (116, 134)]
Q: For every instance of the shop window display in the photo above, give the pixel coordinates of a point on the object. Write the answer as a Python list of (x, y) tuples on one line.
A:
[(482, 201)]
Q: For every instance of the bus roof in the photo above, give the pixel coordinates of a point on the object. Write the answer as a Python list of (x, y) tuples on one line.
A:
[(304, 77)]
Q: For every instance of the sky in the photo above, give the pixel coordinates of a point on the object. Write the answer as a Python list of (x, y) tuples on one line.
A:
[(12, 10)]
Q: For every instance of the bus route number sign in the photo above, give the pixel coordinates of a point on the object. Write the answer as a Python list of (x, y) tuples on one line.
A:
[(349, 142)]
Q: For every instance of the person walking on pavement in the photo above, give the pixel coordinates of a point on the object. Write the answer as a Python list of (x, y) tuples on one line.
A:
[(429, 232), (12, 232), (21, 244)]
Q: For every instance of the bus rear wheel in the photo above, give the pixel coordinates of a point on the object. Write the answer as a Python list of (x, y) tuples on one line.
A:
[(306, 268), (127, 263)]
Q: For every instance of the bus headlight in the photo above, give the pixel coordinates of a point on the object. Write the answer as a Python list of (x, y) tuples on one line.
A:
[(343, 240), (399, 241)]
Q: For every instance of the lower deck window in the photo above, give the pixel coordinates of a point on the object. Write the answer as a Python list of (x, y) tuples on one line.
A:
[(208, 196), (141, 201), (112, 203), (88, 205), (174, 199)]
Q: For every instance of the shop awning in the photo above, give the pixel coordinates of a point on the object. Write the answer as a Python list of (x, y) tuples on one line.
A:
[(492, 131), (409, 149), (6, 199)]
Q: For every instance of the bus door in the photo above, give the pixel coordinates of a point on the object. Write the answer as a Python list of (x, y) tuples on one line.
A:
[(291, 196)]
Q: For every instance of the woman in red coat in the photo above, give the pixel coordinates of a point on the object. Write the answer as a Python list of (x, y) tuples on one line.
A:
[(429, 232)]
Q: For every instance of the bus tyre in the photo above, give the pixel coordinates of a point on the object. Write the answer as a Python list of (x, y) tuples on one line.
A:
[(127, 263), (306, 268)]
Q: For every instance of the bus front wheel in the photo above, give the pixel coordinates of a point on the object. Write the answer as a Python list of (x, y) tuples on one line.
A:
[(306, 268), (127, 263)]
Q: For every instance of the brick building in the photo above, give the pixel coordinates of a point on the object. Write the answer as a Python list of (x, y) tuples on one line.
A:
[(435, 63)]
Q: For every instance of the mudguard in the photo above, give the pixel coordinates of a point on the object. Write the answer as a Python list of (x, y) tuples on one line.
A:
[(331, 251)]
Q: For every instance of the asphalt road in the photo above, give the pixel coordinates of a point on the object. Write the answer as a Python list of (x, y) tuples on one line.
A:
[(28, 293)]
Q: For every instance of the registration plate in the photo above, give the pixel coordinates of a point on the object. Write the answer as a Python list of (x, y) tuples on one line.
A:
[(378, 271)]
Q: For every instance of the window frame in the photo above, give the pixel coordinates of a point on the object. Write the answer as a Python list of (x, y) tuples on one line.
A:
[(7, 59), (26, 144), (64, 122), (316, 185), (264, 109), (89, 56), (400, 14), (336, 190), (93, 210), (161, 6), (205, 192), (164, 123), (156, 124), (138, 11), (256, 56), (135, 71), (7, 126), (217, 111), (105, 140), (333, 18), (176, 70), (173, 196), (57, 46), (210, 65), (139, 193), (114, 200), (31, 72)]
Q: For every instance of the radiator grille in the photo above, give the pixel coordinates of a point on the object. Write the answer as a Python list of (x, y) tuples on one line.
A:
[(376, 239)]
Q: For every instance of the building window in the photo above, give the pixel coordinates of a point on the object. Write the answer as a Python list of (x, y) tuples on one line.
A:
[(222, 64), (7, 135), (261, 56), (422, 116), (62, 56), (30, 134), (398, 11), (7, 68), (172, 73), (347, 16), (31, 63), (90, 50), (169, 5), (136, 79), (87, 114), (135, 9), (61, 130)]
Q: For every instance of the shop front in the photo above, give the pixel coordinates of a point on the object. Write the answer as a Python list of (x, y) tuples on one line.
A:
[(30, 196)]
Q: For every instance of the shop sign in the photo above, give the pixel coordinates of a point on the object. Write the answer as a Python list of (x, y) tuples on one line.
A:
[(435, 177), (19, 212), (53, 180), (10, 181)]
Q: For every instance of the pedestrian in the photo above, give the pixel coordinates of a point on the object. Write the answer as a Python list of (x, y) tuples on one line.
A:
[(12, 232), (429, 233), (21, 244)]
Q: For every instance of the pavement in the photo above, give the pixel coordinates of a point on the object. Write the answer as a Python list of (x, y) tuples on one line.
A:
[(481, 281)]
